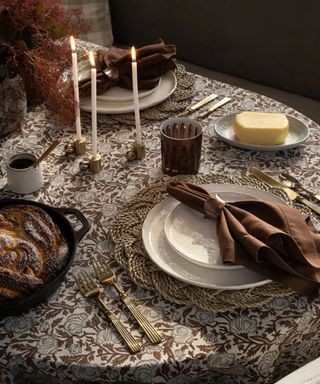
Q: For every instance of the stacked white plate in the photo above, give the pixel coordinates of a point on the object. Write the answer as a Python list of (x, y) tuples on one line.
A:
[(120, 100), (184, 244)]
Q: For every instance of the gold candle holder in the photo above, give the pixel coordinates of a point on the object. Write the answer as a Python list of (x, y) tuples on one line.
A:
[(77, 147), (80, 146), (137, 152), (95, 163), (69, 149), (84, 165)]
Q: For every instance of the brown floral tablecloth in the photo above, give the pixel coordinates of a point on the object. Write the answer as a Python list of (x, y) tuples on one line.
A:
[(65, 340)]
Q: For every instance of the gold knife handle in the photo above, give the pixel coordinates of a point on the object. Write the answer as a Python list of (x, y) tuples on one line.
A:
[(185, 113), (131, 342), (314, 207), (219, 104), (149, 329), (198, 105)]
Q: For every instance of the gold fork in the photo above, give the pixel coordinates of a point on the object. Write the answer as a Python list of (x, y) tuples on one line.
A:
[(90, 289), (106, 276)]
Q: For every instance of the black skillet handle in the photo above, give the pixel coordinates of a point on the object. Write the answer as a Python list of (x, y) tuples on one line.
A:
[(85, 224)]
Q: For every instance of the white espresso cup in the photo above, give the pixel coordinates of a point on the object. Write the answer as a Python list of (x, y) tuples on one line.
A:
[(22, 176)]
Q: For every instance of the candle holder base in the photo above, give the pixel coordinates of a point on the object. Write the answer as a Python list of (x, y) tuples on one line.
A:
[(80, 146), (77, 147), (84, 165), (137, 152), (95, 163), (69, 150)]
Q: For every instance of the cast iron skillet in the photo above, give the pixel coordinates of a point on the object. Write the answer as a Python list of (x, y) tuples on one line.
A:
[(16, 307)]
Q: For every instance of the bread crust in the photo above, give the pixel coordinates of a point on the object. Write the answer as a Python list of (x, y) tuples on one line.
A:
[(32, 250)]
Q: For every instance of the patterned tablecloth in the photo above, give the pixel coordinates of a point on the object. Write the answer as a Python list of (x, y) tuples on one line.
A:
[(66, 340)]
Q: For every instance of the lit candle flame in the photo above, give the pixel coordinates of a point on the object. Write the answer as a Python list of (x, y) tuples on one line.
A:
[(72, 43), (91, 58), (133, 54)]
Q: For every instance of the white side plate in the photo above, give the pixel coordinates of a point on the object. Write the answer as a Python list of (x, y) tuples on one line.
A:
[(160, 93), (171, 262), (115, 93), (195, 237), (298, 133)]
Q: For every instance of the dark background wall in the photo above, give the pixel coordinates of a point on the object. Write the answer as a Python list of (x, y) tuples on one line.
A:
[(272, 42)]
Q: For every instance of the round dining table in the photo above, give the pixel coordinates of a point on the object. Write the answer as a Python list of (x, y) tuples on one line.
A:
[(66, 339)]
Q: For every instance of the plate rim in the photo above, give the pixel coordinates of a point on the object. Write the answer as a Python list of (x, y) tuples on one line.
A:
[(255, 147), (128, 106), (201, 284)]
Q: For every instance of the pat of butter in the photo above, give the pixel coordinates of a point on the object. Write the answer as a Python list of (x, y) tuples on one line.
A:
[(261, 128)]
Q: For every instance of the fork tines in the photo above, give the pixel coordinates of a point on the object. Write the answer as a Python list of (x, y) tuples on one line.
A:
[(87, 286)]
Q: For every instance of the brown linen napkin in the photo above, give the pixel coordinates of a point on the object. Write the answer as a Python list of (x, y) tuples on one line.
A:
[(274, 240), (153, 61)]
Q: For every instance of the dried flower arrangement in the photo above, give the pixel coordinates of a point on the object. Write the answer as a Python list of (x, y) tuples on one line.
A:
[(33, 45)]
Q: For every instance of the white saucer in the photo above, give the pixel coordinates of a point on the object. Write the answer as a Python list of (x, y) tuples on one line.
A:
[(171, 262), (298, 133)]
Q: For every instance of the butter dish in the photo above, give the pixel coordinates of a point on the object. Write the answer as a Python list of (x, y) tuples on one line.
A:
[(298, 133)]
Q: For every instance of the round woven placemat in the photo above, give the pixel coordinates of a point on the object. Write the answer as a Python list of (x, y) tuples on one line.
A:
[(126, 233), (177, 102)]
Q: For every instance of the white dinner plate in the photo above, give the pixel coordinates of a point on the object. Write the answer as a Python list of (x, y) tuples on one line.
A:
[(298, 133), (123, 94), (160, 93), (171, 262), (114, 93)]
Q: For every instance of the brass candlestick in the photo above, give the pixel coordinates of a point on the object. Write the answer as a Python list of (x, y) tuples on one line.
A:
[(84, 165), (137, 152), (80, 146), (77, 147), (95, 163), (69, 149)]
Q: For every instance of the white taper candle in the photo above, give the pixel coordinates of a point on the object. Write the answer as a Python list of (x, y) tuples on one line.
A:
[(76, 88), (136, 95), (93, 106)]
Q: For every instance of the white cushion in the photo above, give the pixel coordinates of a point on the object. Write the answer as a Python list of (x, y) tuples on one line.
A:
[(308, 374), (97, 13)]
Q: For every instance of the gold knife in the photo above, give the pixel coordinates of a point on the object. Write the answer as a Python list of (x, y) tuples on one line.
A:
[(293, 196), (220, 103), (198, 105)]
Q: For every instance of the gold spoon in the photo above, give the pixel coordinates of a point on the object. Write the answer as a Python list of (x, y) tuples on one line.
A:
[(292, 182), (46, 153)]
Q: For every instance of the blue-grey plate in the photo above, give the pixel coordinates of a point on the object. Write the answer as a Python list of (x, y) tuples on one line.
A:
[(298, 133)]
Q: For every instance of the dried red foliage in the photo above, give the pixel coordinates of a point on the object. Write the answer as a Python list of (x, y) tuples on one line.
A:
[(34, 44)]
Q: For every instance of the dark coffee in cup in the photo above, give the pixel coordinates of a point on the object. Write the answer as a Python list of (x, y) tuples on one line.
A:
[(21, 163)]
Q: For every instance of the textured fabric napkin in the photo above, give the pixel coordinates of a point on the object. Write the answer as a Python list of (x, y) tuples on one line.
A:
[(114, 67), (274, 240)]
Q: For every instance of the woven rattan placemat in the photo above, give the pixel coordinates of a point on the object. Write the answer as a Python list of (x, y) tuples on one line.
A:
[(177, 102), (126, 233)]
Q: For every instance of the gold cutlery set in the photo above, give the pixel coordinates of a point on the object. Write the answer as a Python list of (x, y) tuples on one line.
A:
[(90, 289), (292, 195), (203, 102)]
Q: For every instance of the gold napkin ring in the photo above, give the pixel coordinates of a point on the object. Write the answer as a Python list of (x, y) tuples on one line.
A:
[(213, 207)]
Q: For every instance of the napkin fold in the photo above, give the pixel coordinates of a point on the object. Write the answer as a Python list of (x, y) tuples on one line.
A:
[(274, 240), (114, 67)]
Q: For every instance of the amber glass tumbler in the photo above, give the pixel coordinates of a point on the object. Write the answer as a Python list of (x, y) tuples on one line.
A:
[(181, 140)]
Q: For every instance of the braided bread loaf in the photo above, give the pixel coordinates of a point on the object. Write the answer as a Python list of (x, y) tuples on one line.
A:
[(32, 250)]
